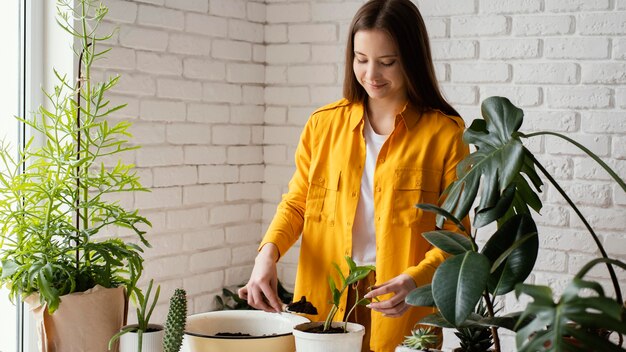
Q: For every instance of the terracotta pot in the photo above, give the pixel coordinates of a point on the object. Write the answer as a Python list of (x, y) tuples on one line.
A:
[(351, 341), (85, 321), (268, 331), (151, 341)]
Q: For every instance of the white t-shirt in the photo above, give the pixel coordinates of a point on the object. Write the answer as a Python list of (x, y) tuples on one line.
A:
[(363, 231)]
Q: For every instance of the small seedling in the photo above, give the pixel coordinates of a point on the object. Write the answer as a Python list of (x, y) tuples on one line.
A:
[(355, 274)]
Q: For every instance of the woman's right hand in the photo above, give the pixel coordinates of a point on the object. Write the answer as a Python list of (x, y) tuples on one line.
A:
[(261, 290)]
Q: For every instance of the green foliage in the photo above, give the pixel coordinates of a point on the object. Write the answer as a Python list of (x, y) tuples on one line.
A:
[(355, 274), (421, 339), (143, 315), (499, 173), (499, 163), (175, 322), (475, 338), (56, 198), (230, 300), (582, 310)]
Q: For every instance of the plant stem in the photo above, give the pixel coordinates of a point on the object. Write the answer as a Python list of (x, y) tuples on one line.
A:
[(329, 318), (494, 330), (78, 151), (618, 291), (139, 340)]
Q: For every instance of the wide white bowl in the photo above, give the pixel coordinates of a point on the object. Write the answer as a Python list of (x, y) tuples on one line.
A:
[(271, 332)]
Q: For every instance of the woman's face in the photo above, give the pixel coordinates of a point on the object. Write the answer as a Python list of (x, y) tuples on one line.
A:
[(377, 65)]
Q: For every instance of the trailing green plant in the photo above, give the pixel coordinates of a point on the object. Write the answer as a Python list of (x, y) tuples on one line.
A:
[(421, 339), (502, 173), (175, 321), (143, 315), (230, 300), (355, 274), (54, 198)]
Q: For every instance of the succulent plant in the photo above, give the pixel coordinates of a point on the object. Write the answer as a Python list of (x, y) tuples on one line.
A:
[(475, 339), (175, 321), (421, 339)]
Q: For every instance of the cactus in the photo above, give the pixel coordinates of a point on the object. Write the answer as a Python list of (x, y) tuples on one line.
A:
[(175, 322)]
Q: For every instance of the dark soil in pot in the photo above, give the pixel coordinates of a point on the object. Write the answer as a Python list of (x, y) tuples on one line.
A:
[(319, 329)]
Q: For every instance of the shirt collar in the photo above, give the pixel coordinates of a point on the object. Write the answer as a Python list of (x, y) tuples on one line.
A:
[(409, 115)]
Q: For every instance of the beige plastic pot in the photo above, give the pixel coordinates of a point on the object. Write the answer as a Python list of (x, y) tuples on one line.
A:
[(351, 341), (269, 331)]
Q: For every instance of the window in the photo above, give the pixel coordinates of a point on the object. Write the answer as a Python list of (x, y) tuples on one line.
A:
[(10, 88)]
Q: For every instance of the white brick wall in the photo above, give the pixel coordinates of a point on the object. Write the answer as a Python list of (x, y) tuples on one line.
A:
[(220, 90), (193, 74)]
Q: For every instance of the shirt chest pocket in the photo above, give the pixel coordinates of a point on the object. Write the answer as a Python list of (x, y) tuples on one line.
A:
[(321, 200), (410, 187)]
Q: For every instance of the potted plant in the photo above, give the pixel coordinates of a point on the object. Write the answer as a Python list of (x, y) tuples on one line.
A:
[(133, 336), (498, 173), (330, 335), (58, 199), (421, 339)]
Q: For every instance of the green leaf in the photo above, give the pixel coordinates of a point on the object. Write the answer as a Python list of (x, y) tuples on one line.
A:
[(436, 319), (9, 268), (522, 253), (351, 264), (459, 283), (441, 213), (449, 242), (488, 215), (421, 297), (582, 308), (338, 270), (493, 167)]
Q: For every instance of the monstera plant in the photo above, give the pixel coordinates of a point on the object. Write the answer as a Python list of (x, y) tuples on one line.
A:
[(502, 175)]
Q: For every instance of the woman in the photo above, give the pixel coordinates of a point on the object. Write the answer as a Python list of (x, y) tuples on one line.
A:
[(362, 164)]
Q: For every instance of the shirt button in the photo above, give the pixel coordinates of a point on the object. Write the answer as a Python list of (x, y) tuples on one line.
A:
[(321, 179), (348, 223), (378, 218), (354, 194), (378, 189), (382, 160)]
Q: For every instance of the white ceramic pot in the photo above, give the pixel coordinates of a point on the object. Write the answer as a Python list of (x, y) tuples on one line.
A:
[(151, 341), (269, 332), (351, 341), (401, 348)]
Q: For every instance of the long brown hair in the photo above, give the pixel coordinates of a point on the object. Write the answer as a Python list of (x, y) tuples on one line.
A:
[(403, 22)]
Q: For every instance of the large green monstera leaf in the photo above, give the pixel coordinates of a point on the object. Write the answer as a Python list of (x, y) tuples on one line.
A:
[(499, 161)]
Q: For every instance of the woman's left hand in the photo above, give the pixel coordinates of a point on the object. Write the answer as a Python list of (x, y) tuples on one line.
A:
[(395, 306)]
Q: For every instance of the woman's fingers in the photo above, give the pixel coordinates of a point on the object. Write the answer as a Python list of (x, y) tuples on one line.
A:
[(395, 306)]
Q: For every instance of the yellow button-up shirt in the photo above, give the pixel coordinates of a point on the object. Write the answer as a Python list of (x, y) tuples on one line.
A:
[(416, 163)]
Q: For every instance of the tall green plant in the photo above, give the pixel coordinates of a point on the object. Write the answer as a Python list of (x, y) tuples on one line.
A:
[(54, 197), (502, 173)]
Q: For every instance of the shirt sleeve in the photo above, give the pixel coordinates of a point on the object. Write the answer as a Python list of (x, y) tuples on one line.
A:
[(423, 273), (286, 226)]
